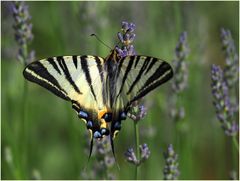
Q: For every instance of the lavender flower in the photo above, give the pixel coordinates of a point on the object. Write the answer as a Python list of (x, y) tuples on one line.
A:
[(23, 31), (180, 67), (170, 170), (231, 68), (137, 111), (126, 37), (180, 79), (131, 157), (224, 108)]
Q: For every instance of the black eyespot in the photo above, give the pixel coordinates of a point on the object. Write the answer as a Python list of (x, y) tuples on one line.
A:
[(117, 125), (107, 117), (97, 134), (89, 124), (104, 131), (83, 114), (123, 116)]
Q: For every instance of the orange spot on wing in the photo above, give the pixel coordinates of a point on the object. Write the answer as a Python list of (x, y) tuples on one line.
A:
[(102, 112)]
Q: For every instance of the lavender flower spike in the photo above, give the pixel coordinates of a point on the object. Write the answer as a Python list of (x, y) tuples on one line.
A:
[(137, 111), (23, 31), (171, 171), (231, 69), (224, 108), (126, 37), (180, 66), (131, 157), (180, 79)]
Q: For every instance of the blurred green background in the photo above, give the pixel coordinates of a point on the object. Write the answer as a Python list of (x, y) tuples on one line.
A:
[(56, 139)]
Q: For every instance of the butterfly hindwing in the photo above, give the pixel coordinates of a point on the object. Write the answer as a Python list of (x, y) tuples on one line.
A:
[(72, 78)]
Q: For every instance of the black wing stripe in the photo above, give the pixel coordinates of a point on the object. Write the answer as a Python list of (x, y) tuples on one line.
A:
[(76, 106), (143, 68), (53, 63), (75, 61), (64, 67), (44, 79), (119, 67), (153, 61), (100, 70), (151, 87), (137, 60), (130, 63), (163, 68), (87, 74)]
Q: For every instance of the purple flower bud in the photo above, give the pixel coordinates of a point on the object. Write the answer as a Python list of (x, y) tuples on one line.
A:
[(131, 38), (145, 152), (131, 157), (120, 37), (124, 26), (131, 27)]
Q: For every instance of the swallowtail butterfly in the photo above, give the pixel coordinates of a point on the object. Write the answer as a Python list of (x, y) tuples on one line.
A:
[(101, 90)]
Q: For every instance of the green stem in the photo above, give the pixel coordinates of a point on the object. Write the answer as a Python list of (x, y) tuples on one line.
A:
[(23, 134), (234, 153), (136, 129), (235, 142), (23, 142)]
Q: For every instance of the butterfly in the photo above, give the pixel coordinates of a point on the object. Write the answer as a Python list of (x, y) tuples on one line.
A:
[(101, 90)]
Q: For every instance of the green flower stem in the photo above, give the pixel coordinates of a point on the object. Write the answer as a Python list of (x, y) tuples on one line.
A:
[(236, 92), (136, 129), (235, 142), (23, 130), (235, 151), (23, 133)]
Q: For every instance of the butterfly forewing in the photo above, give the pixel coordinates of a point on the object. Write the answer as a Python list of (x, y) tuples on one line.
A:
[(75, 78), (137, 76)]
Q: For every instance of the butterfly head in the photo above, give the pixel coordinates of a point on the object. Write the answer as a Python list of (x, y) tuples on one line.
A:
[(113, 56)]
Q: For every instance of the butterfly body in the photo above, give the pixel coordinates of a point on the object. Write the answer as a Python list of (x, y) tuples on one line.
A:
[(101, 90)]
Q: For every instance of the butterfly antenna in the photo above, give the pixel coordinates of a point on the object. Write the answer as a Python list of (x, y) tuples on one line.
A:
[(100, 40), (112, 146)]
